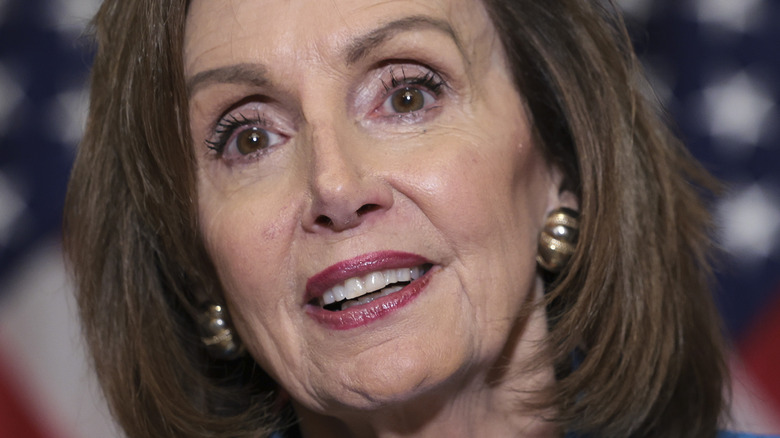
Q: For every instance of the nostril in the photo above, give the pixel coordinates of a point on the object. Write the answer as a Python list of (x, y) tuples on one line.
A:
[(347, 221), (323, 221), (367, 208)]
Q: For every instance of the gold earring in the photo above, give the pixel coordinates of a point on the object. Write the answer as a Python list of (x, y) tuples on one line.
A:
[(558, 239), (220, 342)]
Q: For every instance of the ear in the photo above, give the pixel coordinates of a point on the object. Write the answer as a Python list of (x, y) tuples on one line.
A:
[(558, 196)]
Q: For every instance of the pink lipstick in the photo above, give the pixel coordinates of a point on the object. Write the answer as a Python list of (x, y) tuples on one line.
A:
[(356, 291)]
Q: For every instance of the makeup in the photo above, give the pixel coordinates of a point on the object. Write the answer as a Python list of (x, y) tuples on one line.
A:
[(355, 292)]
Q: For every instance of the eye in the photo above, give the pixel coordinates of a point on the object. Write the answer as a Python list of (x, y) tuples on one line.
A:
[(252, 140), (237, 137), (408, 99), (411, 93)]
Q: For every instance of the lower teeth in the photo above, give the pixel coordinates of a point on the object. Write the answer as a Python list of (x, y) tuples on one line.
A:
[(365, 299)]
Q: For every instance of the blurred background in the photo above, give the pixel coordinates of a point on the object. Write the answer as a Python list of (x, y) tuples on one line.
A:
[(715, 65)]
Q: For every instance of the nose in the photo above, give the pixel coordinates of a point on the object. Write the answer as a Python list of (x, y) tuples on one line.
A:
[(345, 186)]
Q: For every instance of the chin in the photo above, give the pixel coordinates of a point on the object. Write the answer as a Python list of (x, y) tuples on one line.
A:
[(390, 380)]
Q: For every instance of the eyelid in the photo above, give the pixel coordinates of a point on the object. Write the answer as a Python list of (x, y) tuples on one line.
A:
[(408, 74), (228, 128), (429, 78)]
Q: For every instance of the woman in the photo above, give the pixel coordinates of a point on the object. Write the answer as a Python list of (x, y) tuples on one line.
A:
[(372, 218)]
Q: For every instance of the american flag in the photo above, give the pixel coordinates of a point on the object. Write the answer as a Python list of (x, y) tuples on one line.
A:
[(715, 65)]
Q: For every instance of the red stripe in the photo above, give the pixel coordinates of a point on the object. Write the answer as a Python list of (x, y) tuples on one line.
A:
[(17, 416), (760, 351)]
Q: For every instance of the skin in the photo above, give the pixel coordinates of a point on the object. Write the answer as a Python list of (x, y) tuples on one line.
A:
[(459, 182)]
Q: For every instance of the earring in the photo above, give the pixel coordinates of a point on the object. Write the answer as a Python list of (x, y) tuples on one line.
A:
[(219, 341), (558, 239)]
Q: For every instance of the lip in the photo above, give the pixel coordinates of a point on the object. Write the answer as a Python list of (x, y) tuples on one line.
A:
[(319, 283), (363, 314)]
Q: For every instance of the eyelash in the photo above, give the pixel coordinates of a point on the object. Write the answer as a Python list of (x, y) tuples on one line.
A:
[(429, 80), (228, 125)]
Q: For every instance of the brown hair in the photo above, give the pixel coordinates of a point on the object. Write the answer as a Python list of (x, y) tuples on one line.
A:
[(634, 300)]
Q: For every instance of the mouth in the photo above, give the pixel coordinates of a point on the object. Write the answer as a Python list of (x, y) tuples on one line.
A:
[(367, 288)]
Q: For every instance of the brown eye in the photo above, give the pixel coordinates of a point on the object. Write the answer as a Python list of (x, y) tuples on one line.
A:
[(407, 100), (252, 140)]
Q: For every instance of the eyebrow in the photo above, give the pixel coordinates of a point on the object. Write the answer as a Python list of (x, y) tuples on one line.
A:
[(362, 45), (255, 74), (246, 73)]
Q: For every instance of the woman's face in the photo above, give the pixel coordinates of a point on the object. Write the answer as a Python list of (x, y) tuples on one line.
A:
[(350, 144)]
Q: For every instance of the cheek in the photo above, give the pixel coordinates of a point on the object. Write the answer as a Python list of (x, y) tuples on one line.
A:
[(250, 245), (482, 188), (247, 242), (485, 193)]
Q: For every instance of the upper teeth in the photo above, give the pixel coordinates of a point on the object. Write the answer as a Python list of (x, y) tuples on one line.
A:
[(358, 286)]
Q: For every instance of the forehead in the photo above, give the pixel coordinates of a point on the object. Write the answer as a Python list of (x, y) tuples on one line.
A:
[(231, 31)]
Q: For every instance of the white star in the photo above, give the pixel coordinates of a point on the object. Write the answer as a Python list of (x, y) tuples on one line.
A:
[(660, 80), (750, 221), (736, 109), (71, 16), (13, 209), (12, 95), (68, 114), (638, 9), (735, 15)]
